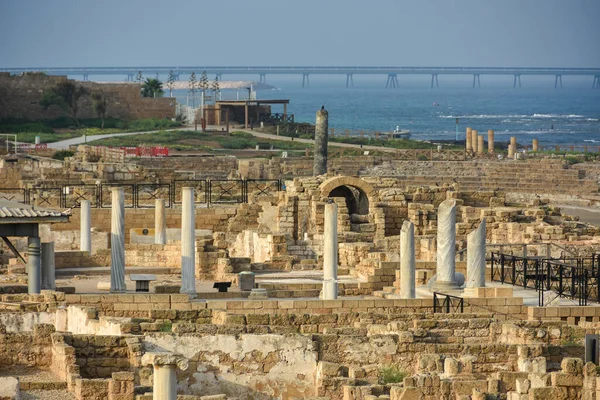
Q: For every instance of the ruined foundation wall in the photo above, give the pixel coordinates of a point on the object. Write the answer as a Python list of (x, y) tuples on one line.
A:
[(20, 96)]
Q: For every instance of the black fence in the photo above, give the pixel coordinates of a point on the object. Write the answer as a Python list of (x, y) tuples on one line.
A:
[(573, 278), (446, 303), (144, 195)]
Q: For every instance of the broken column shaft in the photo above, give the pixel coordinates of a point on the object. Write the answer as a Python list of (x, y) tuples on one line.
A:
[(321, 130)]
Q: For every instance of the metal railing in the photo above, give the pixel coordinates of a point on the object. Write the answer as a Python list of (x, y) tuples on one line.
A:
[(573, 278), (446, 303), (144, 194)]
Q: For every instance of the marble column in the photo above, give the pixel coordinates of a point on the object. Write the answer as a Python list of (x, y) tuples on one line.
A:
[(321, 131), (446, 246), (468, 145), (491, 141), (535, 145), (188, 241), (474, 140), (476, 257), (480, 145), (407, 260), (160, 222), (330, 252), (34, 265), (117, 241), (48, 266), (165, 373), (85, 226)]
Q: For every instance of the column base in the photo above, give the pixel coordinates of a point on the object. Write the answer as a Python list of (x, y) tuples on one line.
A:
[(330, 289), (450, 285)]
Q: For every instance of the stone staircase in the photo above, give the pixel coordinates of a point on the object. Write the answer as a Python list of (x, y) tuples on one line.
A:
[(376, 271)]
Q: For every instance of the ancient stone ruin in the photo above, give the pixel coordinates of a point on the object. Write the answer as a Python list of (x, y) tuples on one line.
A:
[(227, 278)]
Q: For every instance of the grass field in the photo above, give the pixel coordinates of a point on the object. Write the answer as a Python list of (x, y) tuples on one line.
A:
[(190, 140)]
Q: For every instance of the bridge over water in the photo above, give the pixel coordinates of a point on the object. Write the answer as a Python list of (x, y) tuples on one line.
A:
[(305, 71)]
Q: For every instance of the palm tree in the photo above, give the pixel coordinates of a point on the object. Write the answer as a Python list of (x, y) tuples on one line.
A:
[(152, 87)]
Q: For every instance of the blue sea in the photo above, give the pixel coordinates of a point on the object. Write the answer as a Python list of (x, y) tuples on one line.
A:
[(563, 116)]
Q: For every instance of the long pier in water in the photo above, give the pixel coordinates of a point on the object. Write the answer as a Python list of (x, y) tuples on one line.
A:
[(262, 71)]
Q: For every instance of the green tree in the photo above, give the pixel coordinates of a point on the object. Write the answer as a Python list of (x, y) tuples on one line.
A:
[(171, 82), (204, 82), (193, 85), (152, 88), (215, 88), (99, 105), (65, 95)]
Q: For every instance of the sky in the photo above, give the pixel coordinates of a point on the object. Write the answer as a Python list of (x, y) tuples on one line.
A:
[(485, 33)]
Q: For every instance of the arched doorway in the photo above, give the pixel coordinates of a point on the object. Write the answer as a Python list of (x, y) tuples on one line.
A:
[(357, 201)]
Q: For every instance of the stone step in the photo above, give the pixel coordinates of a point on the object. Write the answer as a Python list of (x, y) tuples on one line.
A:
[(94, 271)]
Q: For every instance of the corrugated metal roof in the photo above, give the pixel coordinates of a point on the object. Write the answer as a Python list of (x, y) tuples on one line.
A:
[(6, 212)]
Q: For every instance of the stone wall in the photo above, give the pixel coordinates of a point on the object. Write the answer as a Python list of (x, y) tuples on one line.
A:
[(20, 96)]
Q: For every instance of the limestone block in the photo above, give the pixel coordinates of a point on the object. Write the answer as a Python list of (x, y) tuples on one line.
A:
[(516, 396), (566, 380), (451, 366), (571, 365), (547, 393), (409, 393), (538, 380), (523, 385), (9, 388)]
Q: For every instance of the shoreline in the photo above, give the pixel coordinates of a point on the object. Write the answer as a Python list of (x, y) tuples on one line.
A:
[(223, 85)]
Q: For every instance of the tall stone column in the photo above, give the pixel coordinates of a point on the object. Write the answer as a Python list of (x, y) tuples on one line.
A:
[(474, 140), (160, 222), (321, 130), (480, 145), (165, 373), (407, 261), (535, 145), (476, 257), (446, 246), (34, 265), (330, 252), (85, 227), (117, 241), (468, 145), (491, 141), (188, 241), (512, 147), (48, 266)]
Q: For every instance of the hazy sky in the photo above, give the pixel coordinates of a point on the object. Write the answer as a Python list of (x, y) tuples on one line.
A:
[(46, 33)]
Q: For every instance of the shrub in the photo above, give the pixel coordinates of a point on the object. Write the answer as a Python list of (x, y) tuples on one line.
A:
[(62, 154), (391, 374)]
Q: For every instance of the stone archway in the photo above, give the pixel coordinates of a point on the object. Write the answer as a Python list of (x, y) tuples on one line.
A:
[(359, 194)]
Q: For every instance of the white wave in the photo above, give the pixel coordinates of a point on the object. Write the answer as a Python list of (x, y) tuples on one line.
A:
[(557, 116), (591, 140), (505, 116)]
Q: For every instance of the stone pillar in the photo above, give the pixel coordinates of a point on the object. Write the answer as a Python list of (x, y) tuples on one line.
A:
[(320, 156), (330, 252), (480, 145), (468, 145), (474, 140), (491, 141), (407, 261), (476, 257), (85, 227), (512, 147), (48, 269), (117, 241), (535, 145), (188, 241), (160, 222), (34, 265), (165, 377), (446, 246)]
